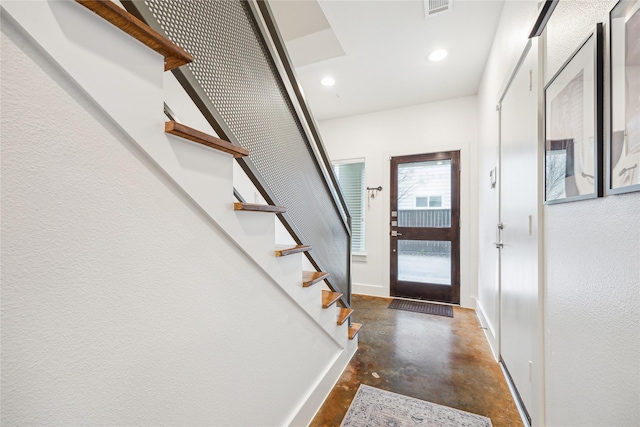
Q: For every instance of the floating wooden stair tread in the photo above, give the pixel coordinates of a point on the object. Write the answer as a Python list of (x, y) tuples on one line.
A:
[(344, 314), (174, 55), (312, 277), (286, 250), (195, 135), (329, 298), (353, 330), (238, 206)]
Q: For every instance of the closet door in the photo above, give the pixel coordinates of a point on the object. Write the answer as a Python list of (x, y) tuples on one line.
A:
[(520, 206)]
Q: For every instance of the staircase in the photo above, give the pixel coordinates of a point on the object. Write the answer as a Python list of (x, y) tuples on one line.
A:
[(174, 57), (250, 226)]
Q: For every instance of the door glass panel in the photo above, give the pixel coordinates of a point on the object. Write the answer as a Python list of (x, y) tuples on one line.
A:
[(424, 261), (424, 194)]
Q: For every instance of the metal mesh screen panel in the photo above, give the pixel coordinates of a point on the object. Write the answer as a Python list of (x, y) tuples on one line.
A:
[(235, 71)]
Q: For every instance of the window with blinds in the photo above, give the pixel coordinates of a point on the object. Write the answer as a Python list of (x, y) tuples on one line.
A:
[(350, 174)]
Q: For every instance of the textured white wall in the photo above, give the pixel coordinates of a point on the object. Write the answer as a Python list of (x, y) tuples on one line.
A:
[(427, 128), (571, 23), (592, 277), (122, 303), (593, 312)]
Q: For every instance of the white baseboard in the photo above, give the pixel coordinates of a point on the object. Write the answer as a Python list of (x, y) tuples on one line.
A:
[(514, 395), (320, 391), (489, 331), (370, 290)]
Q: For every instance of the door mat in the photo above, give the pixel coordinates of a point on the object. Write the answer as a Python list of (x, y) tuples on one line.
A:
[(375, 407), (422, 307)]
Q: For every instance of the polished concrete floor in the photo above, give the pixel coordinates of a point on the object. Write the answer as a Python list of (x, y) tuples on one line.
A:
[(439, 359)]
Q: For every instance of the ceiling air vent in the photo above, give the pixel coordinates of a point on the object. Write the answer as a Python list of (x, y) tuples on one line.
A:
[(436, 7)]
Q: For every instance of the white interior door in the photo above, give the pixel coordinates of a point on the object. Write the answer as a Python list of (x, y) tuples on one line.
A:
[(519, 205)]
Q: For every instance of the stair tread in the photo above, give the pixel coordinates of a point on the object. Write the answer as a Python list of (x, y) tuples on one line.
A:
[(312, 277), (284, 250), (353, 330), (174, 55), (178, 129), (239, 206), (344, 314), (329, 298)]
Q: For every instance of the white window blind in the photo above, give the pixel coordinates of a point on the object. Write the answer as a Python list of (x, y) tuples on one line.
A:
[(351, 178)]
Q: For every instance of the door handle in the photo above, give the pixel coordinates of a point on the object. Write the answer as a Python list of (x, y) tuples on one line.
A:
[(499, 245), (395, 234)]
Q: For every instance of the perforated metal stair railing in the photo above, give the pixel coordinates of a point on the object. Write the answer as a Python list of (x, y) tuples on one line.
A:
[(243, 83)]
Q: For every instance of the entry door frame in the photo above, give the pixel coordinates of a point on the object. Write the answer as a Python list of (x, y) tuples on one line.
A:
[(452, 234)]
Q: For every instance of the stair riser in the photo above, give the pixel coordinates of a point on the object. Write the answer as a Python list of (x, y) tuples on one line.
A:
[(340, 331), (183, 107), (328, 319), (287, 269)]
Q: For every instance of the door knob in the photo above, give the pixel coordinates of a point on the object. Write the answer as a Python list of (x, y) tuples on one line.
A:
[(395, 234), (499, 245)]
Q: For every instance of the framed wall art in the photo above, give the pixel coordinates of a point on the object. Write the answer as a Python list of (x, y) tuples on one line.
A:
[(623, 150), (574, 125)]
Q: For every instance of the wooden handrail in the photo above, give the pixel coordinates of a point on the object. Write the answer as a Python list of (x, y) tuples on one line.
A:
[(174, 55)]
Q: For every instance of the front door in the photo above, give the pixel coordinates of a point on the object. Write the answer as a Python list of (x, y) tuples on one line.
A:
[(425, 226)]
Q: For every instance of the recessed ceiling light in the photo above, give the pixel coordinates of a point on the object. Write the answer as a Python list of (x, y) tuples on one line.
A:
[(328, 81), (438, 55)]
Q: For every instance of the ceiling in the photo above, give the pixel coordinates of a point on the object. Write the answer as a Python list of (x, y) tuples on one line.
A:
[(377, 51)]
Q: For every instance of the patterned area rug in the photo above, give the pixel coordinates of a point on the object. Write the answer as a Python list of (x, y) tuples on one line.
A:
[(422, 307), (373, 407)]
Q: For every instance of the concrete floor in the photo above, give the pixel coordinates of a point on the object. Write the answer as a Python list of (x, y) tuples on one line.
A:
[(434, 358)]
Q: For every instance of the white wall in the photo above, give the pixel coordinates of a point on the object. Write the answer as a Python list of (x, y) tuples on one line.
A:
[(122, 302), (441, 126), (592, 262)]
